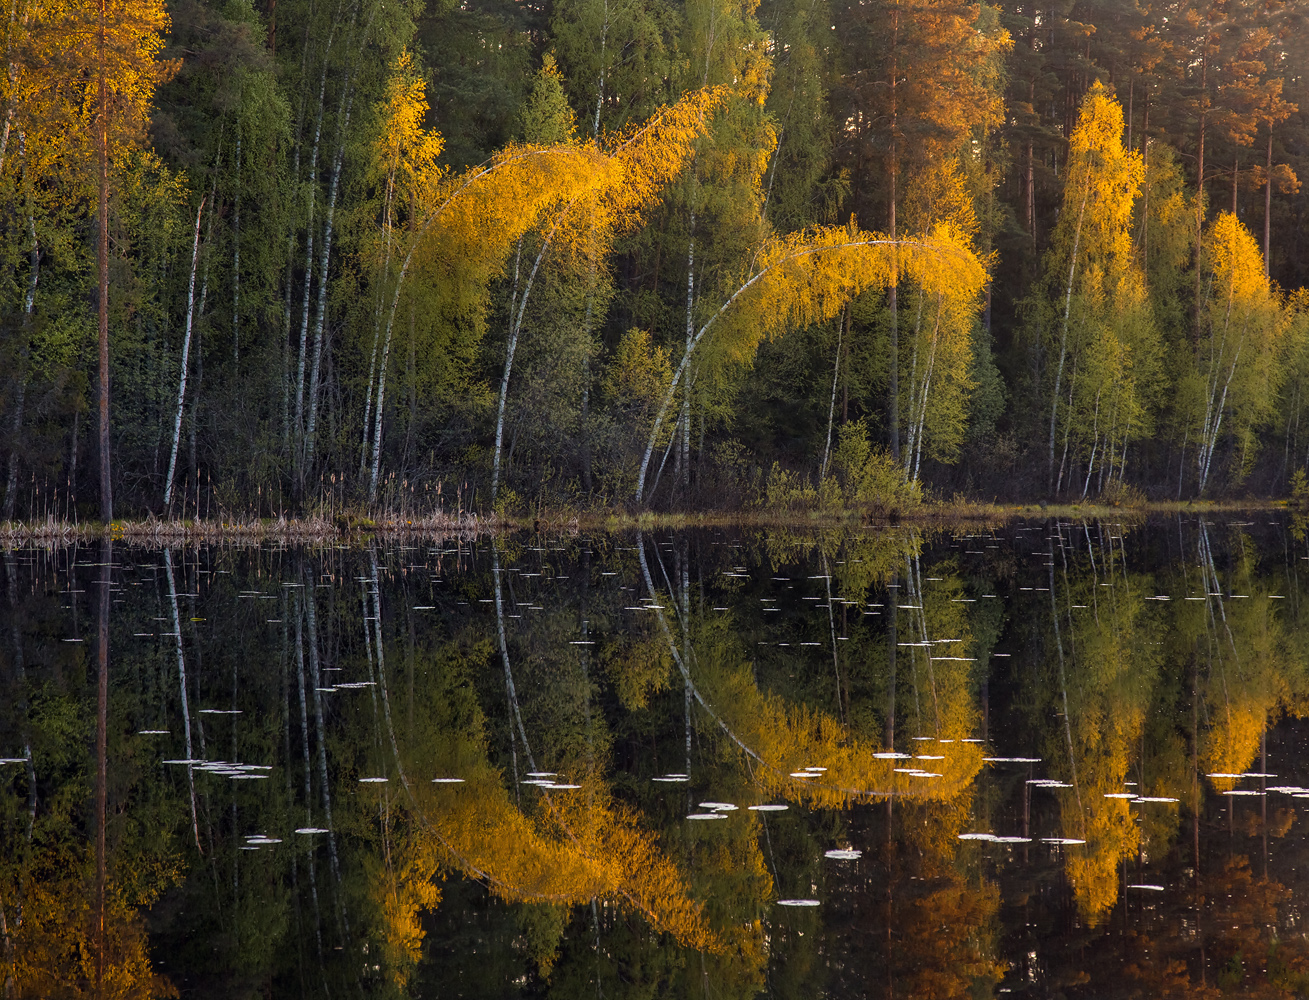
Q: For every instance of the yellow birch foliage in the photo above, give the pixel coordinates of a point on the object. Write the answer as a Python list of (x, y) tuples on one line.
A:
[(406, 152), (1100, 192), (1092, 313), (462, 227), (807, 277), (1240, 359), (1248, 684)]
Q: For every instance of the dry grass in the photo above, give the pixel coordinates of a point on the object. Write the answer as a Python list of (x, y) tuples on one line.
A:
[(354, 528), (308, 530)]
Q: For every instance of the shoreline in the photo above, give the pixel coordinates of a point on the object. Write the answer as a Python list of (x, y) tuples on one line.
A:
[(357, 528)]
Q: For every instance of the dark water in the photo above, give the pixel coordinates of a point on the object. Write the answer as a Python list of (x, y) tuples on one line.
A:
[(1049, 759)]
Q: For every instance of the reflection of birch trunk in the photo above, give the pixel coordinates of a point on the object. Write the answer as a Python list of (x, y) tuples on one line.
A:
[(324, 786), (504, 657), (893, 596), (1063, 690), (915, 575), (181, 678), (102, 757), (831, 623), (682, 661), (186, 354), (304, 746)]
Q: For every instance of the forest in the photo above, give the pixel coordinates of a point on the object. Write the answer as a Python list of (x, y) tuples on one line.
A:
[(275, 258)]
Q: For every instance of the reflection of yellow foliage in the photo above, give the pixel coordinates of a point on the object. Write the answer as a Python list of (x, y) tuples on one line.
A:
[(55, 946), (1245, 688), (576, 845), (1092, 868), (929, 963), (784, 738), (1108, 680), (403, 891)]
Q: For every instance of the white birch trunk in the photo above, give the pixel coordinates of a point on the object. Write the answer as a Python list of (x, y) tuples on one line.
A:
[(671, 391), (515, 327), (831, 406), (186, 354), (377, 325), (1063, 338), (321, 314)]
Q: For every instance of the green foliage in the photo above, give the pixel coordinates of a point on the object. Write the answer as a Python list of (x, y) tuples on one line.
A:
[(1062, 148), (870, 480)]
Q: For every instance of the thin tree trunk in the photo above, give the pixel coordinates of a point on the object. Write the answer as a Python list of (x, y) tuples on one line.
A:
[(377, 323), (1268, 198), (236, 257), (181, 682), (309, 277), (102, 271), (831, 406), (1031, 195), (1199, 193), (1145, 193), (913, 382), (893, 407), (682, 366), (186, 353), (1063, 337), (683, 427), (927, 386), (323, 267), (1095, 444), (600, 87), (29, 305), (515, 327)]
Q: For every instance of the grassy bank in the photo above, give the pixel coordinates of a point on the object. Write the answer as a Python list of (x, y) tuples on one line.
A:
[(357, 527)]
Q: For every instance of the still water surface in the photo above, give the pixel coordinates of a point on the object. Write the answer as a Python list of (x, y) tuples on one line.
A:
[(1049, 759)]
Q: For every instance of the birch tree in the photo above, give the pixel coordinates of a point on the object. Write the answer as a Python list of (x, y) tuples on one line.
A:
[(1093, 287), (1239, 359), (809, 277)]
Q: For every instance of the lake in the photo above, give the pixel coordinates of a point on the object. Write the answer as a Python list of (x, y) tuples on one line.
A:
[(1051, 758)]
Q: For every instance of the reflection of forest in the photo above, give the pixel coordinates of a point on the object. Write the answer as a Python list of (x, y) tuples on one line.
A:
[(860, 678)]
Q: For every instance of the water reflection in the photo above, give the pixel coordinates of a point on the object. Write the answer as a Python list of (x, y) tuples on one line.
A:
[(1053, 757)]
